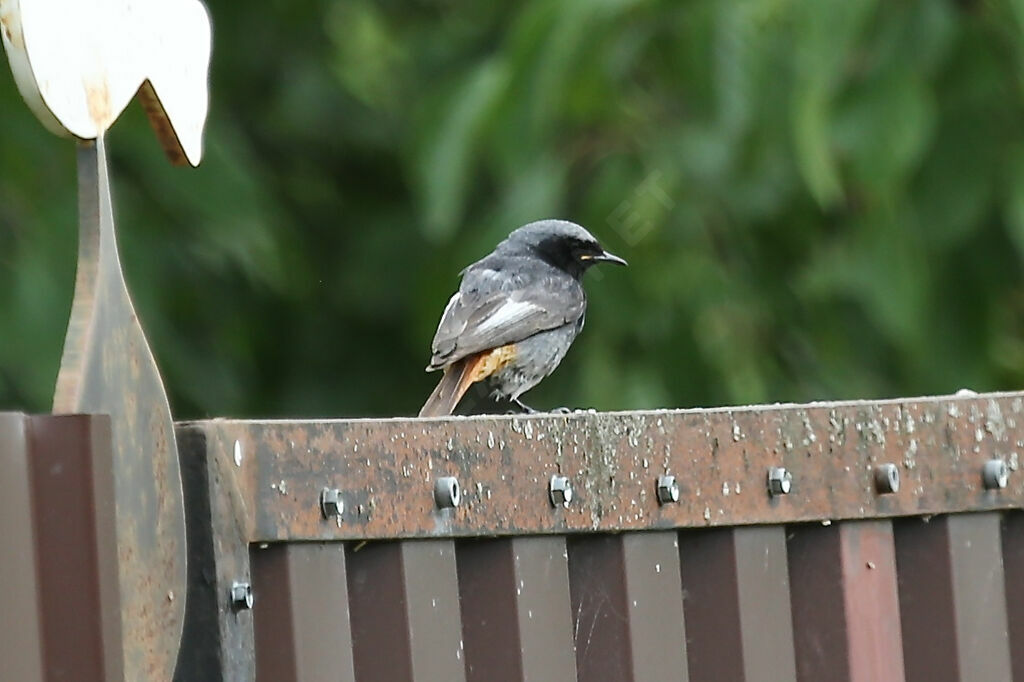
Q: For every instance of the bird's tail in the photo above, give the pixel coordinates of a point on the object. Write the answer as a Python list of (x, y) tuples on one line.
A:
[(457, 379)]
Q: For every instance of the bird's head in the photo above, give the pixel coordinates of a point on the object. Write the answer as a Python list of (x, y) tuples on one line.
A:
[(563, 244)]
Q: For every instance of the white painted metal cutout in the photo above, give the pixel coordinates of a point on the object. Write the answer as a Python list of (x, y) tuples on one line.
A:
[(78, 63)]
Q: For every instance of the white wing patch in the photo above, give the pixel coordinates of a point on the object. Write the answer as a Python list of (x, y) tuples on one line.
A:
[(509, 312), (451, 302)]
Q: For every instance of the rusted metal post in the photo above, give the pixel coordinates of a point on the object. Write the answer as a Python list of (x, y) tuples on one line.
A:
[(217, 640), (107, 368)]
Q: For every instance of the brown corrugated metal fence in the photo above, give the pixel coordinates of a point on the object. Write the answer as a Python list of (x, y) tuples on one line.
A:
[(363, 563)]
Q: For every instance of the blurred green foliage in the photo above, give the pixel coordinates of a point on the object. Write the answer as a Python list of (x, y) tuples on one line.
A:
[(819, 199)]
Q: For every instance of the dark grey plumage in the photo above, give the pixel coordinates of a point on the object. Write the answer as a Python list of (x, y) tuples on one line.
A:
[(527, 292)]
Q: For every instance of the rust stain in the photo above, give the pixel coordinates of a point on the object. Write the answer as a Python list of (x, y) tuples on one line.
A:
[(12, 30), (97, 96), (161, 124)]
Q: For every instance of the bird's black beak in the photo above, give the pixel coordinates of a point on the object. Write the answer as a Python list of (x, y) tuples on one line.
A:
[(606, 257)]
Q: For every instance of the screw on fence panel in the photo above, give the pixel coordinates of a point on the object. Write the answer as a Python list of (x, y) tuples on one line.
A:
[(331, 504), (241, 595), (995, 475), (780, 481), (560, 491), (887, 479), (447, 494), (667, 489)]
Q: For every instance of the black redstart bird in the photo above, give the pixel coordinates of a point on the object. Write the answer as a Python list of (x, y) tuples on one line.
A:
[(515, 314)]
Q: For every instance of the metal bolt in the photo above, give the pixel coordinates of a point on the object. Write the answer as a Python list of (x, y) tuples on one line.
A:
[(780, 481), (887, 478), (668, 489), (560, 490), (447, 493), (331, 504), (995, 475), (241, 595)]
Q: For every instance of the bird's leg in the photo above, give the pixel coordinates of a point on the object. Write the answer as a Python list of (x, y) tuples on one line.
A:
[(523, 406)]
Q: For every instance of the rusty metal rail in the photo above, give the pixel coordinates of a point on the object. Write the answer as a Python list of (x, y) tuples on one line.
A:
[(838, 460)]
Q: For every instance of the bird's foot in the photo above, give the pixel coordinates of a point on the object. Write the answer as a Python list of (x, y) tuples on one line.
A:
[(524, 407), (562, 410)]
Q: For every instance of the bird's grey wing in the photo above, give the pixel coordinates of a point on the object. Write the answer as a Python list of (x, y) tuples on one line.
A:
[(488, 312)]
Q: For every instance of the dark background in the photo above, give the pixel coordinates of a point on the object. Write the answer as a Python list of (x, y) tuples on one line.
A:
[(817, 199)]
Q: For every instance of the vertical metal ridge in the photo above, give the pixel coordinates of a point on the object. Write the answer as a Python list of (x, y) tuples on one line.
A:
[(707, 565), (980, 597), (654, 594), (737, 605), (381, 649), (544, 608), (870, 591), (927, 613), (21, 634), (430, 575), (846, 621), (819, 610), (75, 528), (516, 610), (952, 598), (272, 617), (762, 580), (404, 602), (490, 610), (597, 584), (321, 629), (1013, 568)]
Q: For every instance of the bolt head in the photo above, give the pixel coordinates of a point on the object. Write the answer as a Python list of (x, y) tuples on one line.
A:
[(241, 595), (995, 475), (887, 478), (331, 504), (560, 491), (447, 494), (668, 490), (780, 481)]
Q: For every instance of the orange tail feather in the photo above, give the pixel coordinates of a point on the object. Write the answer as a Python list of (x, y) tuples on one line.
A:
[(457, 379)]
